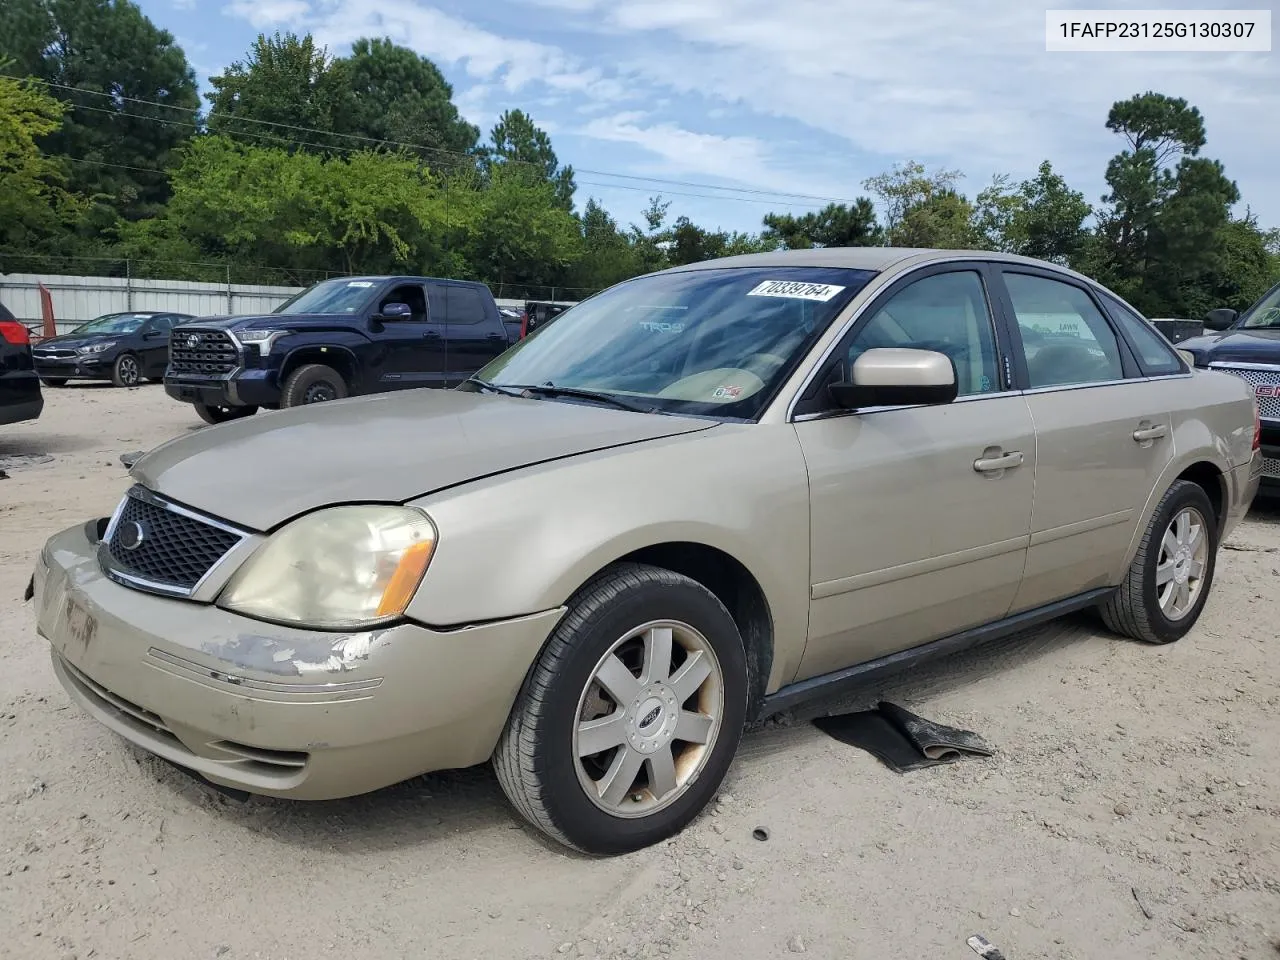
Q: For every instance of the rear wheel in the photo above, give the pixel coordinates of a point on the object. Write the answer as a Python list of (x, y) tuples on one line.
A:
[(1171, 574), (312, 383), (627, 723), (126, 372), (210, 413)]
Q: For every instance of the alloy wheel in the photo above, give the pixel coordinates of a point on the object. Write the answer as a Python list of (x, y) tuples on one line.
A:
[(1180, 568)]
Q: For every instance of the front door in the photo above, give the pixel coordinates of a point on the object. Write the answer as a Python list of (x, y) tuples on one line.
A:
[(153, 352), (919, 515), (415, 349), (1105, 435)]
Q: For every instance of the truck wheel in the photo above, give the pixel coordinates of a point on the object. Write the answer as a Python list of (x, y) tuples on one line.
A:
[(125, 372), (312, 383), (1169, 580), (215, 414), (628, 721)]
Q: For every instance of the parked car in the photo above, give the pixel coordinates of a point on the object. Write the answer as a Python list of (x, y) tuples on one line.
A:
[(125, 348), (697, 499), (1248, 345), (20, 397), (338, 338), (538, 313)]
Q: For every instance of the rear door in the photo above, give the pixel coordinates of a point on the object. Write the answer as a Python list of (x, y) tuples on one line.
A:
[(1104, 433), (154, 347), (919, 515), (475, 330), (415, 350)]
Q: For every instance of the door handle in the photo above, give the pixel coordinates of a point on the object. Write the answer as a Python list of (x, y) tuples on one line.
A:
[(431, 335), (1147, 434), (1004, 462)]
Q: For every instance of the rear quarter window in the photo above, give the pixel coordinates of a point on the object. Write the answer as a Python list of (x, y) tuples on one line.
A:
[(1155, 354)]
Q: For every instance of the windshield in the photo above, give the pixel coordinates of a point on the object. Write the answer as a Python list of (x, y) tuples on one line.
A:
[(716, 342), (115, 323), (329, 296), (1266, 312)]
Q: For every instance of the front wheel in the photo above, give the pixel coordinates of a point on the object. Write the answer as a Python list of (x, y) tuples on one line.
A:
[(211, 413), (1169, 580), (627, 723), (312, 383), (126, 372)]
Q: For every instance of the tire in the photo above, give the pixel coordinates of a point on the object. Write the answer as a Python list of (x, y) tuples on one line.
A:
[(1135, 609), (214, 414), (54, 381), (537, 759), (312, 383), (126, 371)]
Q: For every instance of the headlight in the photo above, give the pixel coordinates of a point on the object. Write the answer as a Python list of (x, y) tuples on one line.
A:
[(340, 568), (96, 347), (263, 339)]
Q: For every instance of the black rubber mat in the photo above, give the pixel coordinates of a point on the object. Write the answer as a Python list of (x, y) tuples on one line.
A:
[(900, 739)]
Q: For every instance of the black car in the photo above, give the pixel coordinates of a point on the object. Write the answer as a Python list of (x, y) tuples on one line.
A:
[(20, 397), (125, 348), (1248, 345)]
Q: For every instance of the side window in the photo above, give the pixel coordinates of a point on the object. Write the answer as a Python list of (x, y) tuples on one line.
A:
[(465, 305), (946, 312), (162, 323), (410, 293), (1066, 338), (1154, 352)]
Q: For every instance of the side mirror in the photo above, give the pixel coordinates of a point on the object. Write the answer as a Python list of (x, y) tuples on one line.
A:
[(395, 311), (893, 376), (1220, 319)]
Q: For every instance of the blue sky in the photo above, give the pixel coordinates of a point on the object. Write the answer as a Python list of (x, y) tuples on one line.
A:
[(775, 100)]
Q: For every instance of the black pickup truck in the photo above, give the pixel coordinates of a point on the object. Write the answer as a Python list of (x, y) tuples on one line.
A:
[(338, 338), (1248, 345)]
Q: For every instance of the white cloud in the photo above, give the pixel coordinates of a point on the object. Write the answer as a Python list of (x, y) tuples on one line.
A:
[(183, 4), (265, 13)]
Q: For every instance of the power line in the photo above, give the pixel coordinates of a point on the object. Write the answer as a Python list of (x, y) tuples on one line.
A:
[(442, 151)]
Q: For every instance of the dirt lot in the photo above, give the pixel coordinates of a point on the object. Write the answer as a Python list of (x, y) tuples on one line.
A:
[(1132, 810)]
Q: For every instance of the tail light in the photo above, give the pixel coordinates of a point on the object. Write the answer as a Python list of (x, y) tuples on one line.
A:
[(524, 324), (13, 332), (1257, 426)]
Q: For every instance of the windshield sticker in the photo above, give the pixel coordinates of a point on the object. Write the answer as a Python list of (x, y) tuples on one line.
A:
[(657, 326), (360, 283), (726, 393), (796, 290)]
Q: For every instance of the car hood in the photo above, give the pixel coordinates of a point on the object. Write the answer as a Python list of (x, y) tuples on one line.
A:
[(1245, 346), (390, 448), (260, 320), (70, 341)]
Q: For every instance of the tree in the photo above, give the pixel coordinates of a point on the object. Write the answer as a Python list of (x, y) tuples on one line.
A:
[(835, 225), (608, 255), (36, 209), (399, 96), (516, 141), (1048, 223), (285, 82), (944, 220), (906, 187), (120, 66)]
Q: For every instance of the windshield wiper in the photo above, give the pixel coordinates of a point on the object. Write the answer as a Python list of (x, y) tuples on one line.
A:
[(551, 390), (493, 387)]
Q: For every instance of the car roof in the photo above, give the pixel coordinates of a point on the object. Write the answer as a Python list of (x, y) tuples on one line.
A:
[(878, 259), (396, 278)]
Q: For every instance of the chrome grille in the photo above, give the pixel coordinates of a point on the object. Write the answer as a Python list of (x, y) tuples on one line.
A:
[(1268, 399), (175, 549), (1271, 467), (206, 353)]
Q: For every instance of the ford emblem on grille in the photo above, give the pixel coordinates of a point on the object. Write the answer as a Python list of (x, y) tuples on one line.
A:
[(193, 341), (130, 535)]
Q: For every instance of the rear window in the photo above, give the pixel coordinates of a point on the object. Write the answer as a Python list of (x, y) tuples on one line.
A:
[(464, 305)]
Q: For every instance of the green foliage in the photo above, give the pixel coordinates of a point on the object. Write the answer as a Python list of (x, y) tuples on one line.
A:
[(835, 225), (515, 142), (909, 188), (109, 50), (36, 209)]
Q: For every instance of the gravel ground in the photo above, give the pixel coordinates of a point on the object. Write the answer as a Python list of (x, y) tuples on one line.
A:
[(1132, 809)]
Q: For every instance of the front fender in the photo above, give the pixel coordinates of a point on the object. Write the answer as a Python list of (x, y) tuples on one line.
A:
[(527, 540)]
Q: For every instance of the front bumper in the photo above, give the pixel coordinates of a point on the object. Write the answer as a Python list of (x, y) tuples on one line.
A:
[(248, 388), (91, 367), (273, 710)]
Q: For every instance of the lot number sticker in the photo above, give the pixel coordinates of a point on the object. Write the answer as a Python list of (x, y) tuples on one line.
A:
[(796, 290)]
